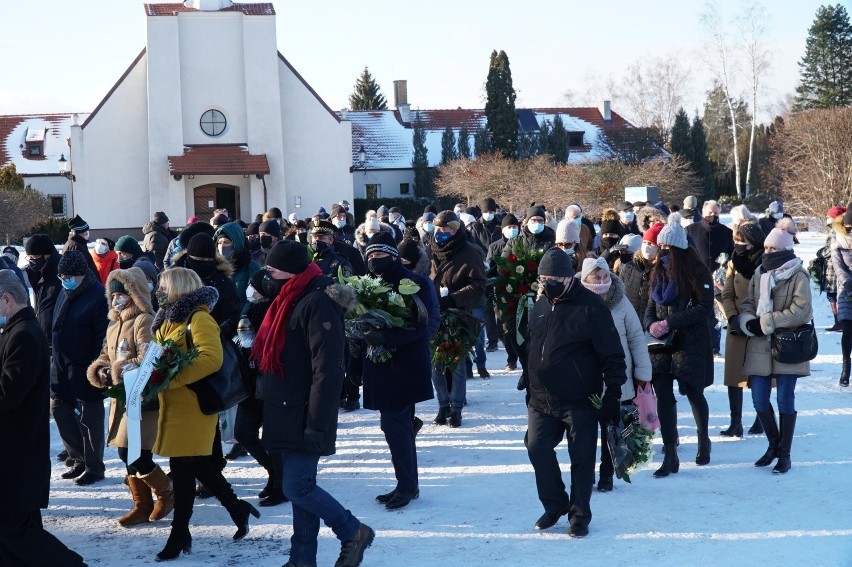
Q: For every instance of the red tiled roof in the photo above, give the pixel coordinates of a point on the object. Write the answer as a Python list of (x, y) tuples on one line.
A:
[(172, 9), (228, 159), (591, 115), (8, 124)]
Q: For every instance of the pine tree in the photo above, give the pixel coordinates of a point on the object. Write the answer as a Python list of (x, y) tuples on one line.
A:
[(700, 160), (423, 174), (367, 95), (482, 141), (557, 141), (680, 140), (502, 120), (464, 143), (826, 68), (448, 145)]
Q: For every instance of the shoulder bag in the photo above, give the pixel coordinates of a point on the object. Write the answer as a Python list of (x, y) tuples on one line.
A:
[(794, 346)]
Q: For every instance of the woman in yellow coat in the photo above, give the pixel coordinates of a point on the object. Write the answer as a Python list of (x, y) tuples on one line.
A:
[(127, 337), (185, 435)]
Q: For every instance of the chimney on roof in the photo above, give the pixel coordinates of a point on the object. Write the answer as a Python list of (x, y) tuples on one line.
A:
[(400, 99), (605, 110)]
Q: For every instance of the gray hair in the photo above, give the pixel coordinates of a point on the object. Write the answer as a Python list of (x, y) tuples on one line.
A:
[(710, 204), (9, 283)]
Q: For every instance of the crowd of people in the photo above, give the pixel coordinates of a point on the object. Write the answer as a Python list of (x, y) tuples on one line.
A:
[(75, 320)]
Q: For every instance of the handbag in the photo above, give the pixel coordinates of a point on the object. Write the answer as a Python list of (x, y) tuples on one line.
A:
[(794, 346), (646, 405), (226, 387), (662, 345)]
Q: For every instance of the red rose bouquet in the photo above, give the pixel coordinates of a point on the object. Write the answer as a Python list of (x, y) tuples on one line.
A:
[(171, 361), (516, 283), (455, 338)]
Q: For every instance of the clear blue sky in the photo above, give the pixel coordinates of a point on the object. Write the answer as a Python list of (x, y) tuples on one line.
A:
[(65, 55)]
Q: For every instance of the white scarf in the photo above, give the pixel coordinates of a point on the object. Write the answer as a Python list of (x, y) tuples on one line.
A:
[(769, 280)]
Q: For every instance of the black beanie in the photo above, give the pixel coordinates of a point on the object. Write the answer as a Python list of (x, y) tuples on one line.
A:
[(752, 233), (430, 209), (612, 227), (72, 263), (39, 245), (252, 229), (509, 220), (556, 263), (288, 256), (535, 211), (193, 229), (488, 205), (382, 242), (270, 227), (410, 251), (201, 246), (847, 217)]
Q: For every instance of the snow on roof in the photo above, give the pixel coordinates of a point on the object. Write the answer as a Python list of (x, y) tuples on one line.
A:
[(174, 8), (55, 130)]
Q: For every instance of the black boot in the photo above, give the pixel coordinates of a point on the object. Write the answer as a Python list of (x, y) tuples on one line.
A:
[(756, 427), (455, 419), (844, 373), (671, 463), (788, 427), (275, 495), (240, 515), (837, 328), (703, 455), (441, 418), (735, 400), (767, 419), (179, 541)]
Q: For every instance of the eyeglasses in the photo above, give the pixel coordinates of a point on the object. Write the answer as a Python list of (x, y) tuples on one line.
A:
[(64, 277), (564, 245)]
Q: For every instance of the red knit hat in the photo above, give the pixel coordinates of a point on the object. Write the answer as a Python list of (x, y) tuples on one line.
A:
[(652, 233), (835, 212)]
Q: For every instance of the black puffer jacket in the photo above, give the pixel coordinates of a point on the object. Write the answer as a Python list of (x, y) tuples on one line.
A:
[(574, 351), (46, 289), (541, 241), (692, 362), (459, 266), (635, 276)]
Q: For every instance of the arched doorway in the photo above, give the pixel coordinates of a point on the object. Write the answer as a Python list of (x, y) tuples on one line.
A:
[(208, 198)]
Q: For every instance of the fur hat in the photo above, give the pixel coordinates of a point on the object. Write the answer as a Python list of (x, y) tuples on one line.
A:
[(653, 232), (288, 256), (673, 233), (567, 231), (72, 263), (555, 263), (781, 237), (382, 242), (39, 245)]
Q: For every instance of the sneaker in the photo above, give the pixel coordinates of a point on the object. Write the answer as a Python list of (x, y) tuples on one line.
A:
[(350, 405), (352, 550)]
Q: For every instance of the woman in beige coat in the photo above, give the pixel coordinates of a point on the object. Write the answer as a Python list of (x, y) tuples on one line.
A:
[(779, 297), (747, 256), (127, 337)]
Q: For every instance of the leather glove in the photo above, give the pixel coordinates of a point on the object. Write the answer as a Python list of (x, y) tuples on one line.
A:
[(105, 375), (610, 411), (523, 381), (753, 327), (314, 441), (375, 338), (734, 325), (446, 303)]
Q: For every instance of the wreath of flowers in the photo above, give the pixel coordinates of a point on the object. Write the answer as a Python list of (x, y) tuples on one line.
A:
[(455, 338), (171, 361), (630, 445)]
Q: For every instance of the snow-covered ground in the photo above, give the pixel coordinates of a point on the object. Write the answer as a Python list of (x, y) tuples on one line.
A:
[(478, 501)]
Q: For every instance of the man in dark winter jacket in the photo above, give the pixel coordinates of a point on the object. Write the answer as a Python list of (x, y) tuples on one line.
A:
[(269, 232), (157, 237), (182, 241), (25, 434), (304, 327), (129, 252), (458, 273), (580, 356), (43, 260), (509, 231), (78, 239), (325, 255), (340, 219), (9, 261), (535, 234), (79, 328), (487, 231)]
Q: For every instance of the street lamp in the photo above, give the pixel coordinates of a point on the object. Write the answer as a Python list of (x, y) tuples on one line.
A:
[(63, 169), (362, 161)]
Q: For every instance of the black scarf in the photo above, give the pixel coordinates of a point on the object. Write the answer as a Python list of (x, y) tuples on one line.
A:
[(774, 260), (453, 245), (70, 295), (745, 264)]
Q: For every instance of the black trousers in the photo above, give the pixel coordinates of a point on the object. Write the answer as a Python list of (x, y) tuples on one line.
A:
[(352, 380), (247, 430), (399, 434), (667, 406), (492, 328), (25, 542), (544, 433), (143, 465), (81, 428), (514, 351), (185, 470)]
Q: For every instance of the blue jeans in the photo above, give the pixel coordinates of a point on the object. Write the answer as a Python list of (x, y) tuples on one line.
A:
[(761, 389), (455, 397), (310, 503), (479, 347)]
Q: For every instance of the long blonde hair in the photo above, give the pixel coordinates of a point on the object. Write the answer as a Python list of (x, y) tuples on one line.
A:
[(180, 282)]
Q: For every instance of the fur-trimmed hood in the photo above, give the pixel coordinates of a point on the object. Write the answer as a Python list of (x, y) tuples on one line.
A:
[(361, 237), (184, 306), (343, 295), (648, 215), (136, 284), (193, 229)]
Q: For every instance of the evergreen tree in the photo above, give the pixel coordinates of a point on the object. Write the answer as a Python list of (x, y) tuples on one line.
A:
[(464, 143), (448, 145), (482, 141), (557, 141), (680, 140), (423, 174), (529, 145), (826, 68), (502, 120), (700, 160), (367, 95)]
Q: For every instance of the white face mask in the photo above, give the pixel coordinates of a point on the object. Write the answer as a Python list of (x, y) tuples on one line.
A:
[(101, 249), (488, 217), (252, 294), (394, 217), (649, 251), (119, 302), (626, 217), (510, 232)]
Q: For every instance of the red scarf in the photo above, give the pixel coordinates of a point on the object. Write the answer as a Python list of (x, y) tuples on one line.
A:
[(270, 338)]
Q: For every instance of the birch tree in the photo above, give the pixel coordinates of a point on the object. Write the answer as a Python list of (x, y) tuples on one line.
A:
[(753, 33)]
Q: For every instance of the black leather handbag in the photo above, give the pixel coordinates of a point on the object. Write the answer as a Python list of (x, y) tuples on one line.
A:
[(793, 346), (224, 388), (662, 345)]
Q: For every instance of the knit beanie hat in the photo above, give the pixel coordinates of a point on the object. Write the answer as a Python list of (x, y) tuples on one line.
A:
[(382, 211), (322, 213), (39, 245), (592, 264), (147, 268), (431, 209), (409, 251), (509, 220), (252, 229), (288, 256), (337, 210), (72, 263), (567, 231), (652, 233), (449, 219), (781, 237), (556, 263), (382, 242), (219, 220), (488, 205), (775, 207), (673, 234), (115, 286), (752, 233), (428, 216), (77, 224), (270, 227), (535, 211), (612, 227), (128, 245), (835, 212), (631, 242), (372, 224), (201, 246), (160, 217), (691, 202)]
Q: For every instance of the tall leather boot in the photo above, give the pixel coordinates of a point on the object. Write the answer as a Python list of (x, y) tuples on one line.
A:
[(671, 463), (844, 373), (735, 400), (161, 484), (701, 414), (180, 540), (274, 495), (788, 427), (143, 503), (767, 420)]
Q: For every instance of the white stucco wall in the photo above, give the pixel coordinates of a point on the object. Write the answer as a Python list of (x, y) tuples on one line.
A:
[(51, 184), (388, 179)]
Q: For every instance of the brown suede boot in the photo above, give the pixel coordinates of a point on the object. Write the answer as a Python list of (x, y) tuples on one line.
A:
[(143, 503), (161, 484)]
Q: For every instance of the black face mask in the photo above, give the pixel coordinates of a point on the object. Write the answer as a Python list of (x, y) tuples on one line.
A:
[(379, 266), (740, 249), (711, 219), (266, 242), (37, 265), (663, 252), (272, 287), (203, 268), (126, 264), (252, 243), (607, 243), (320, 246), (553, 289)]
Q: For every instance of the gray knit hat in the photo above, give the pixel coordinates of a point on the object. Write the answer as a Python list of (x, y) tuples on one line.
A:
[(567, 231), (673, 233)]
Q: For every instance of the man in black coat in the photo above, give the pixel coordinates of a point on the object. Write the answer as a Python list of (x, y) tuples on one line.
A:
[(509, 231), (24, 434), (581, 355), (43, 260), (78, 239), (157, 237), (340, 219), (395, 385), (535, 234), (79, 328), (304, 327)]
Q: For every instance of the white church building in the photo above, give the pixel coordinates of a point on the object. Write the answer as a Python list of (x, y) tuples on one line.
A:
[(209, 115)]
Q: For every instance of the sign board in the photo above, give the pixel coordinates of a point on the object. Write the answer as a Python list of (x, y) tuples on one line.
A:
[(646, 194)]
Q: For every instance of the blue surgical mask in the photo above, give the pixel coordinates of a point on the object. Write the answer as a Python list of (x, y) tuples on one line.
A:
[(429, 227), (579, 220), (569, 251), (510, 233), (442, 237), (340, 223), (70, 284), (535, 227), (488, 217)]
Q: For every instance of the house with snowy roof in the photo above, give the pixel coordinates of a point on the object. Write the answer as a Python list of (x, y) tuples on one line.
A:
[(383, 169), (209, 115)]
